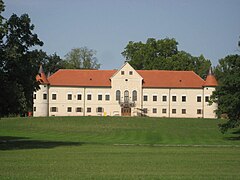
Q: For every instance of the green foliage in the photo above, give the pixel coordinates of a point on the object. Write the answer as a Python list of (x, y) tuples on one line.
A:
[(164, 55), (85, 148), (17, 74), (227, 94), (81, 58)]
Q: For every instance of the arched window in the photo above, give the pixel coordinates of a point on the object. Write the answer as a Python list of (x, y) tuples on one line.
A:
[(126, 96), (118, 95), (134, 95)]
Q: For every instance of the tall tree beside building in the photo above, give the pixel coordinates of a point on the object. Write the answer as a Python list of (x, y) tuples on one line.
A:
[(163, 54), (81, 58), (227, 94), (17, 74)]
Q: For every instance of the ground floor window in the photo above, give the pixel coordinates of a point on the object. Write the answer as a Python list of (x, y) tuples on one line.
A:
[(99, 109), (154, 110), (53, 109), (174, 111), (164, 111), (69, 109), (89, 109), (199, 111), (145, 110), (78, 109), (184, 111)]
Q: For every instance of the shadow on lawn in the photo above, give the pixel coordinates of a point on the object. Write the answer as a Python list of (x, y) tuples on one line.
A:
[(15, 143), (235, 138)]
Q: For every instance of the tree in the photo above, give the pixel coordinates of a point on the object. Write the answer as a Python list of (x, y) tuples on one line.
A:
[(164, 55), (81, 58), (17, 74), (227, 94)]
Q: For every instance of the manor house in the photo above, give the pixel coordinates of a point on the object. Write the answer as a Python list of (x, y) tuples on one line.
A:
[(124, 92)]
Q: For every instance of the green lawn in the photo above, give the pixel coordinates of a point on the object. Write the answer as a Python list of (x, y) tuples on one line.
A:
[(117, 148)]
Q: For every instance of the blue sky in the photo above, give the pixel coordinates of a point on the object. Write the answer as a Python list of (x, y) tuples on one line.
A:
[(208, 27)]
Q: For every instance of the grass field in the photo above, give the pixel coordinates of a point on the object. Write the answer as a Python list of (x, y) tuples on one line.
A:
[(117, 148)]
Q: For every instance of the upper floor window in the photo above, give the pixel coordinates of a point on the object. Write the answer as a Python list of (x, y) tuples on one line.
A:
[(174, 98), (79, 97), (154, 98), (34, 96), (69, 96), (199, 98), (184, 98), (54, 96), (89, 97), (134, 95), (118, 95), (130, 73), (122, 72), (164, 98), (126, 96), (206, 98), (107, 97), (145, 98), (44, 96), (100, 97)]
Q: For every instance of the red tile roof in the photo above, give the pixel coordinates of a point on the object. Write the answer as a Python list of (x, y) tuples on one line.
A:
[(170, 79), (41, 77), (211, 81), (151, 78), (74, 77)]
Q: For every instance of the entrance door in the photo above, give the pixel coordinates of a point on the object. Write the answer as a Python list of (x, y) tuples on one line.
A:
[(126, 111)]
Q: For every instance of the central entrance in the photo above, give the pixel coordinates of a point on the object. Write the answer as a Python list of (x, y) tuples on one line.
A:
[(126, 111)]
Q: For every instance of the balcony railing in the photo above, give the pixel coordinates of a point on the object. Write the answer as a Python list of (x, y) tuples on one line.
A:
[(127, 103)]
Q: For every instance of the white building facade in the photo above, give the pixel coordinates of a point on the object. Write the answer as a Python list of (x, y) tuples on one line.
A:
[(124, 92)]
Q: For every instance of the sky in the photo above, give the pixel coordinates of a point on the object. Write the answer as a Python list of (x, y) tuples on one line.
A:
[(208, 27)]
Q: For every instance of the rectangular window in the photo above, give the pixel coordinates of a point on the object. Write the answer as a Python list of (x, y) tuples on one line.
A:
[(100, 97), (184, 111), (79, 97), (69, 109), (199, 111), (130, 73), (99, 109), (174, 98), (34, 108), (34, 96), (107, 97), (145, 110), (164, 111), (206, 98), (89, 109), (54, 96), (145, 98), (44, 96), (78, 109), (89, 97), (154, 110), (199, 98), (69, 96), (164, 98), (174, 111), (53, 109), (154, 98), (122, 72), (184, 98)]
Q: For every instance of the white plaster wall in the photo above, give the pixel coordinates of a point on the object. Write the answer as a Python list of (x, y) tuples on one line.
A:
[(39, 103)]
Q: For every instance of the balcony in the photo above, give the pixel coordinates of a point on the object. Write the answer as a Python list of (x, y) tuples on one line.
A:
[(127, 103)]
